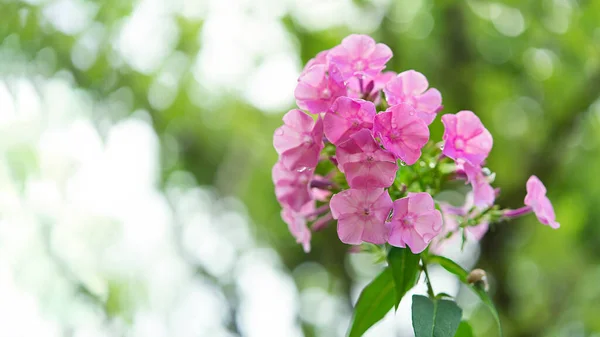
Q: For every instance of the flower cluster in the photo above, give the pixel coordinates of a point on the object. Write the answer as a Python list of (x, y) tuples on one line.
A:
[(359, 152)]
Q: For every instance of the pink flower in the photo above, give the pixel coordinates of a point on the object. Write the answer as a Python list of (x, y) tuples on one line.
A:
[(318, 88), (415, 222), (296, 222), (321, 58), (540, 204), (365, 164), (292, 186), (347, 116), (361, 215), (359, 55), (466, 138), (450, 216), (370, 86), (410, 87), (483, 193), (401, 132), (299, 141)]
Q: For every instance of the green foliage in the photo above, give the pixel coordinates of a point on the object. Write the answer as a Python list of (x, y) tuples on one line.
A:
[(374, 302), (435, 318), (464, 330), (405, 270)]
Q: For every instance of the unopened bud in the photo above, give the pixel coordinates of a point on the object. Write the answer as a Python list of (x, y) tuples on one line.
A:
[(478, 277)]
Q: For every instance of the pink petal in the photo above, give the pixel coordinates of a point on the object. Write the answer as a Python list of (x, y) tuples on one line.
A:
[(349, 229), (420, 202), (413, 82), (414, 241)]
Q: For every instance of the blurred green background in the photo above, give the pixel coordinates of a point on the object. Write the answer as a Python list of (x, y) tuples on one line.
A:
[(135, 161)]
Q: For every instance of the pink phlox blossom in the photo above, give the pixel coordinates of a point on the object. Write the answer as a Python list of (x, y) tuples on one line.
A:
[(361, 215), (415, 222), (466, 138), (299, 141), (359, 56), (483, 193), (365, 163), (296, 221), (319, 87), (540, 204), (347, 116), (292, 186), (401, 132), (320, 58), (370, 86), (410, 87)]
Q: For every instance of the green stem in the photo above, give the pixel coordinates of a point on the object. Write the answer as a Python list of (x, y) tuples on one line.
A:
[(428, 280)]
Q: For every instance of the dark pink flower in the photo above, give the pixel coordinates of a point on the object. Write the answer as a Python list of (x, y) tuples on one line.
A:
[(318, 88), (361, 215), (540, 204), (401, 132), (415, 222), (466, 138), (365, 164), (410, 87), (347, 116), (299, 141), (292, 186), (296, 221), (360, 56), (483, 193)]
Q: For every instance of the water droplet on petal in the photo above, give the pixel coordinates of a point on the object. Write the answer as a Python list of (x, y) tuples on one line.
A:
[(402, 163), (279, 132), (411, 112), (302, 169)]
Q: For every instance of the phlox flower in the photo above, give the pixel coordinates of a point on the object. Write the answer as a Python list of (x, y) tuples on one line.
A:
[(318, 87), (296, 221), (415, 222), (299, 141), (292, 186), (320, 58), (401, 132), (360, 56), (347, 116), (361, 215), (365, 163), (483, 193), (410, 87), (540, 204), (466, 138)]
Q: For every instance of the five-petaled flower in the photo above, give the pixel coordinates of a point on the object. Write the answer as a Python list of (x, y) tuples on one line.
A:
[(296, 221), (410, 87), (299, 141), (466, 138), (401, 132), (540, 204), (365, 164), (361, 215), (415, 222), (318, 88), (292, 186), (347, 116), (359, 56)]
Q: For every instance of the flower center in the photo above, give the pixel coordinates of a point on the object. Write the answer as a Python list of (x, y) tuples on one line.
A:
[(359, 65), (307, 140), (326, 93), (370, 158), (366, 211), (408, 221), (459, 144)]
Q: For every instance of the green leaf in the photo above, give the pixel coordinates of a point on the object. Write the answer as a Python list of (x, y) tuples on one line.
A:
[(374, 302), (450, 266), (462, 274), (439, 318), (464, 330), (405, 270)]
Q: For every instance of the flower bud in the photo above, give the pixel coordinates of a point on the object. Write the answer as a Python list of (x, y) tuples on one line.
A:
[(478, 277)]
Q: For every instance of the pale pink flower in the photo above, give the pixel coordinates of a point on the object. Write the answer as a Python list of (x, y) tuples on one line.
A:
[(360, 56), (318, 88), (321, 58), (540, 204), (450, 215), (401, 132), (347, 116), (410, 87), (299, 141), (292, 186), (466, 138), (296, 221), (483, 193), (362, 215), (415, 222), (365, 163)]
